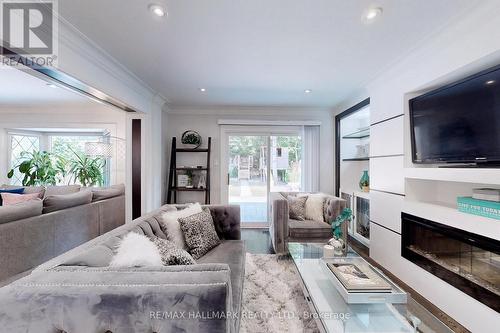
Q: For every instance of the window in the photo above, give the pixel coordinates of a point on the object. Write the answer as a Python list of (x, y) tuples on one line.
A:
[(66, 146), (18, 144), (62, 145), (265, 160)]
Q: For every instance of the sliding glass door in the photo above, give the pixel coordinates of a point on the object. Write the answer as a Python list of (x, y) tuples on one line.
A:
[(286, 163), (258, 160), (247, 185)]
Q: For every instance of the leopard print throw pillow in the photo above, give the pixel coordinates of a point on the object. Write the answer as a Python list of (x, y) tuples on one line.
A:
[(199, 233), (171, 254), (297, 207)]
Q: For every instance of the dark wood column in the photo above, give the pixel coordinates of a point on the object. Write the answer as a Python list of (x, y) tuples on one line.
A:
[(136, 168)]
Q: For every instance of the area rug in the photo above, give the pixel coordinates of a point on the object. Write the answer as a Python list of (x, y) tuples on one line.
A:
[(272, 297)]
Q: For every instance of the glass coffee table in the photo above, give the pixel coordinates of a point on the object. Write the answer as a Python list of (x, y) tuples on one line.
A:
[(327, 305)]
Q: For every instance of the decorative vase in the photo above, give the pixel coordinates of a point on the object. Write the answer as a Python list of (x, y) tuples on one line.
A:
[(364, 182)]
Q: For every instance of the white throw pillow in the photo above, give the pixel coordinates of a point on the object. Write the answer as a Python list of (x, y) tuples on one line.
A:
[(136, 251), (314, 207), (171, 226)]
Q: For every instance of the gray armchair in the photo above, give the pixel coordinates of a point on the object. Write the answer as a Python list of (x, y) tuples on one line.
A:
[(284, 230)]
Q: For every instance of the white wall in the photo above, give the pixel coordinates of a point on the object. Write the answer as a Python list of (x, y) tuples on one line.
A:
[(467, 45), (204, 121)]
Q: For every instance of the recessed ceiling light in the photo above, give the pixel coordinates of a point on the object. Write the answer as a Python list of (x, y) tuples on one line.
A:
[(490, 82), (308, 91), (371, 14), (157, 10), (203, 89), (51, 85)]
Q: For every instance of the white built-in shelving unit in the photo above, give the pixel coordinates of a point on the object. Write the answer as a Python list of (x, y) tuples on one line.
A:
[(432, 193), (448, 214), (354, 159), (463, 175)]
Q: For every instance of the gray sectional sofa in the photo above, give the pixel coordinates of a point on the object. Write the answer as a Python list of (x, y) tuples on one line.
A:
[(78, 292), (33, 232), (283, 229)]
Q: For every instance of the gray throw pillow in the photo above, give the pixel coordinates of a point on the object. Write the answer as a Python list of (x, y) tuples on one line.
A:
[(62, 189), (103, 193), (21, 211), (297, 207), (171, 254), (199, 233), (53, 203)]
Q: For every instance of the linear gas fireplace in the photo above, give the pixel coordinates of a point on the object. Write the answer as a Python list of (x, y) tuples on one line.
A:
[(465, 260)]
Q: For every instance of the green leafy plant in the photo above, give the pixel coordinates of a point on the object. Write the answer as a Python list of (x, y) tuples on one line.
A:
[(37, 167), (62, 168), (44, 168), (87, 171)]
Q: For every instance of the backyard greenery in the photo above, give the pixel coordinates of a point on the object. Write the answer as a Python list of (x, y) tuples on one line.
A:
[(245, 146), (250, 146)]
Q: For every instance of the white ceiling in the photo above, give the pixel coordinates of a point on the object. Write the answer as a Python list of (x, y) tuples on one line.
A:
[(259, 52), (18, 88)]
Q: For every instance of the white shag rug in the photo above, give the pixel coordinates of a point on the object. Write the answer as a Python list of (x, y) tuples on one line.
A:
[(272, 297)]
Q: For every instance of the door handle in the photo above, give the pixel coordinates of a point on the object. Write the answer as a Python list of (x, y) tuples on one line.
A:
[(228, 178)]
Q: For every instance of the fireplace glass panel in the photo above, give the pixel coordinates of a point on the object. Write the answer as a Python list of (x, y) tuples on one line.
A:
[(445, 249), (362, 217)]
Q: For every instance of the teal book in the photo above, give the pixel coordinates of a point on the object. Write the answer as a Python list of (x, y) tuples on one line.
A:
[(484, 208)]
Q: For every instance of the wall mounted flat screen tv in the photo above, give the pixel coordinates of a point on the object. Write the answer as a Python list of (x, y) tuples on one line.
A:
[(458, 123)]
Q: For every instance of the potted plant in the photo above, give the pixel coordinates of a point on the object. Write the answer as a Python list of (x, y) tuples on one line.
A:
[(87, 171), (37, 167), (339, 230)]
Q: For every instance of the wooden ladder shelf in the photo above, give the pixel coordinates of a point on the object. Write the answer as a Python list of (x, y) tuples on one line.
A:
[(173, 189)]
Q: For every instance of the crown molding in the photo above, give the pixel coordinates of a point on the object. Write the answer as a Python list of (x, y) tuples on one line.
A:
[(247, 110), (75, 41)]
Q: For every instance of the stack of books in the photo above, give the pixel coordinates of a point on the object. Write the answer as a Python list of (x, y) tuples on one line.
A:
[(484, 202), (489, 194), (357, 278)]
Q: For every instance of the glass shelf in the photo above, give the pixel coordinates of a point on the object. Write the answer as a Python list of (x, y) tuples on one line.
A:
[(360, 134), (356, 159)]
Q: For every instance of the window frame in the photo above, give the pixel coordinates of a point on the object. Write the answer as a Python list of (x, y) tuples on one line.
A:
[(105, 135), (45, 143), (11, 133)]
